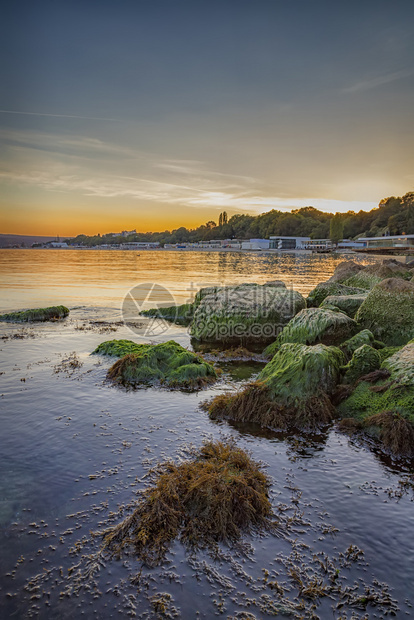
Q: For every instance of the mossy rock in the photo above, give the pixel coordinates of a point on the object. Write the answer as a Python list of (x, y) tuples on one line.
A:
[(382, 403), (363, 337), (52, 313), (371, 275), (315, 325), (345, 270), (167, 363), (244, 314), (345, 303), (291, 391), (216, 496), (327, 289), (388, 312), (181, 315), (364, 360)]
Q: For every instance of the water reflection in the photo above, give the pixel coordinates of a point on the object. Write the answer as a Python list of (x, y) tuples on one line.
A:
[(102, 278)]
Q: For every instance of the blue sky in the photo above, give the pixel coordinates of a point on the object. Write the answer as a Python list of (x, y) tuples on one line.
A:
[(155, 114)]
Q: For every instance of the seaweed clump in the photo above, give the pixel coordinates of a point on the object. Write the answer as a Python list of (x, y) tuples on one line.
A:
[(167, 363), (53, 313), (214, 497), (292, 391)]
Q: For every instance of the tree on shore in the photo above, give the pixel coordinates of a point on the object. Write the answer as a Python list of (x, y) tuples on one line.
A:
[(336, 230)]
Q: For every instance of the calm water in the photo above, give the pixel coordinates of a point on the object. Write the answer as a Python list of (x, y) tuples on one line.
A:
[(74, 450)]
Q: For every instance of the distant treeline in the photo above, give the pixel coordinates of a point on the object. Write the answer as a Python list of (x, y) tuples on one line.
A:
[(393, 216)]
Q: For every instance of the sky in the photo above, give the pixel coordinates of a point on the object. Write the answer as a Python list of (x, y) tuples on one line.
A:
[(155, 114)]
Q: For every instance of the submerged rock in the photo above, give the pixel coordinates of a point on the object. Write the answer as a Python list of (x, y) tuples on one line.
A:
[(37, 314), (327, 289), (388, 311), (346, 303), (247, 313), (215, 497), (167, 363), (291, 391), (382, 403), (315, 325)]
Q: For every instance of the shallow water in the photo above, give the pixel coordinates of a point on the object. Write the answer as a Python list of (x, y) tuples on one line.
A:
[(75, 449)]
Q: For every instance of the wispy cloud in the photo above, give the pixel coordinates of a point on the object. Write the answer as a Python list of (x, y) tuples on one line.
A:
[(379, 80), (87, 118)]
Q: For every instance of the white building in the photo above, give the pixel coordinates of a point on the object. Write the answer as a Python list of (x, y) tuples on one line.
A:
[(256, 244), (288, 243), (390, 241)]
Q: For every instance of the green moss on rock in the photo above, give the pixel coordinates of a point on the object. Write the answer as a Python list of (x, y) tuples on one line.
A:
[(371, 275), (37, 314), (350, 346), (167, 363), (345, 270), (244, 314), (388, 311), (345, 303), (291, 391), (327, 289), (181, 315), (315, 325), (364, 360), (383, 403)]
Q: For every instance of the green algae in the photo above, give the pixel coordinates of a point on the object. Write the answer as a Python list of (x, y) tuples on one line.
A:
[(345, 303), (382, 403), (371, 275), (345, 270), (388, 311), (216, 496), (181, 315), (36, 314), (327, 289), (119, 348), (167, 363), (364, 360), (312, 326), (363, 337), (291, 391)]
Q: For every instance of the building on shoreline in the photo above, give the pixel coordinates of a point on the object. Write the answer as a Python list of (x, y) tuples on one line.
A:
[(405, 242)]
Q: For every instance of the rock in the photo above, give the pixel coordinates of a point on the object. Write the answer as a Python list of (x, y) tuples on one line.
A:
[(37, 314), (291, 391), (326, 289), (388, 311), (371, 275), (383, 403), (247, 313), (350, 346), (167, 363), (364, 360), (345, 270), (315, 325), (181, 315), (277, 283), (345, 303)]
